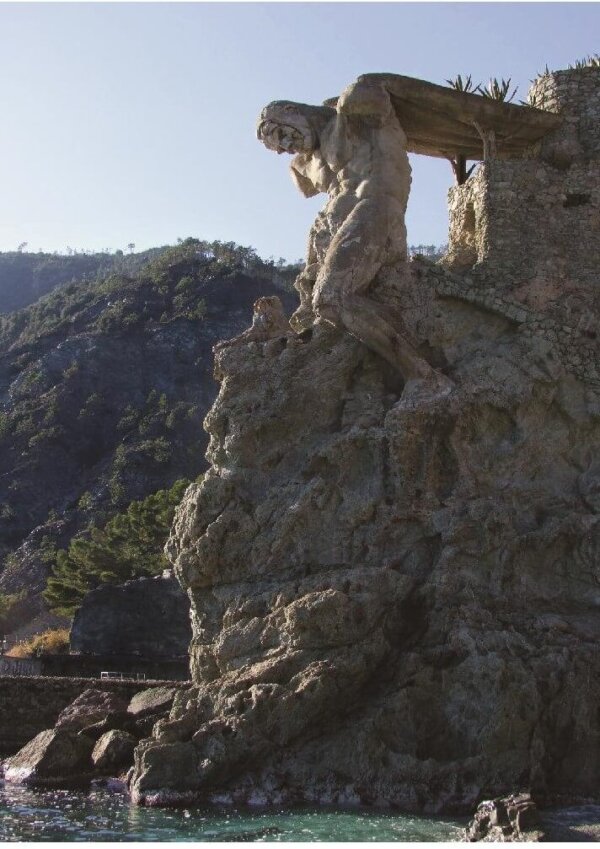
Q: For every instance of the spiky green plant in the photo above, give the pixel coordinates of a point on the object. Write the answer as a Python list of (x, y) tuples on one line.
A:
[(466, 85), (535, 99), (498, 90), (586, 62)]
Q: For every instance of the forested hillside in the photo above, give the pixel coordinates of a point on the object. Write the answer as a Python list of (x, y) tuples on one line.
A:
[(26, 277), (104, 384)]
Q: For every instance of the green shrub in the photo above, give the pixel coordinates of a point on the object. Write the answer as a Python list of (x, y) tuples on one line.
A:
[(6, 512), (5, 425), (71, 370), (86, 501)]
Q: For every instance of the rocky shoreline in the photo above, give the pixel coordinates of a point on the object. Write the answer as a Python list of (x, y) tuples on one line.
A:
[(393, 598), (94, 736), (93, 741), (393, 595)]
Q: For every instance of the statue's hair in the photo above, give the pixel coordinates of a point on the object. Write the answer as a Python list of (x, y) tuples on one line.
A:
[(317, 116)]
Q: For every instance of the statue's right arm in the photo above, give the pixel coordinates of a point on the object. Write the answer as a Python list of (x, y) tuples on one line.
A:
[(303, 184), (298, 169)]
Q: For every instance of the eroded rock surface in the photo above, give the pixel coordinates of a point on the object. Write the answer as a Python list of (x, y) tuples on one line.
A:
[(395, 597)]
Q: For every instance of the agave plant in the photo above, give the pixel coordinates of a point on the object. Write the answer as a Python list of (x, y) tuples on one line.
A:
[(586, 62), (498, 90), (534, 99), (466, 85)]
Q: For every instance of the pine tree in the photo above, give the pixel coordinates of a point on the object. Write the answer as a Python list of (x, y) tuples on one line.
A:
[(129, 546)]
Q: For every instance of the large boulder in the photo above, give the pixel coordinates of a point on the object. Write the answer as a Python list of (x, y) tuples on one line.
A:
[(149, 617), (90, 707), (148, 707), (114, 751), (56, 757), (155, 700)]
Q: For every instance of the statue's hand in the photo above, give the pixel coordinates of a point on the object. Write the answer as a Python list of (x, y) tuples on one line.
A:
[(365, 99)]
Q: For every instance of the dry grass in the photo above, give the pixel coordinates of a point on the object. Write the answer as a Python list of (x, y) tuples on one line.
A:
[(49, 642)]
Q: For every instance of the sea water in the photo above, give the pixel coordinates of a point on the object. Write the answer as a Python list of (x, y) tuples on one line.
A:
[(101, 815)]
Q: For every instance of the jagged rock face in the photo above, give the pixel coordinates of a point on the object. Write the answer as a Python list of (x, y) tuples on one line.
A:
[(394, 600)]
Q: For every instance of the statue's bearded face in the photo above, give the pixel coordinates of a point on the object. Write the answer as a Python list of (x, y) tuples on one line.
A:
[(285, 128)]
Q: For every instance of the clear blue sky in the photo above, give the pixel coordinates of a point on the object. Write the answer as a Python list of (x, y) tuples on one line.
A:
[(135, 122)]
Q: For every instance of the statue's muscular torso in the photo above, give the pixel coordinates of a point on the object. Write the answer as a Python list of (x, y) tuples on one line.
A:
[(361, 157), (356, 154)]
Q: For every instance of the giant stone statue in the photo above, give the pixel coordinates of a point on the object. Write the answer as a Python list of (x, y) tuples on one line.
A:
[(356, 152)]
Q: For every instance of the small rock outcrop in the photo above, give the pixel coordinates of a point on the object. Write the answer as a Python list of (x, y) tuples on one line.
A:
[(508, 819), (149, 617)]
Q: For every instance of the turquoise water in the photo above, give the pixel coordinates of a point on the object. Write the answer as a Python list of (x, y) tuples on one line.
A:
[(100, 815)]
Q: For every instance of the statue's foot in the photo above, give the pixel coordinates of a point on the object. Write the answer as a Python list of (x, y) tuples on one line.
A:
[(422, 391)]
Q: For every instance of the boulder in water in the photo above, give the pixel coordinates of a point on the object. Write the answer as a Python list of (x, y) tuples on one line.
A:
[(54, 757)]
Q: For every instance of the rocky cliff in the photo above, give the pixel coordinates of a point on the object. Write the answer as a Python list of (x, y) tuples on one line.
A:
[(395, 598)]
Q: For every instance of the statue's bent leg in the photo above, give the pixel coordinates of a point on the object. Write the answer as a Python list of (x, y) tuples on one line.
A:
[(355, 256)]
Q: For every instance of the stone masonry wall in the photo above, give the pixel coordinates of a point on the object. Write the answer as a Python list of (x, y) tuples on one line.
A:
[(525, 234), (576, 347), (536, 221), (576, 95), (30, 705), (531, 222)]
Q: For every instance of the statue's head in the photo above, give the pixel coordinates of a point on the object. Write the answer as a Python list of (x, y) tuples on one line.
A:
[(288, 127)]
